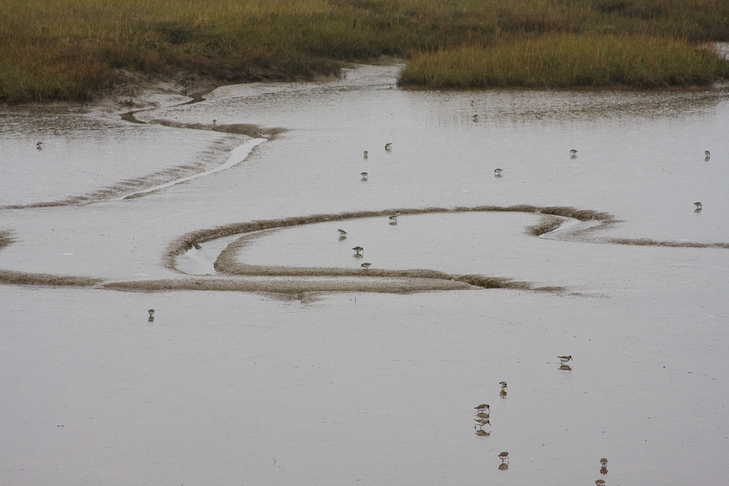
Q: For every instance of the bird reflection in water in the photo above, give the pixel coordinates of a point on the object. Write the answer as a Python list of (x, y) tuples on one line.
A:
[(481, 432)]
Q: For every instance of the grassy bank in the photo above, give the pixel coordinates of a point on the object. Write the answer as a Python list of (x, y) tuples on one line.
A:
[(565, 60), (74, 49)]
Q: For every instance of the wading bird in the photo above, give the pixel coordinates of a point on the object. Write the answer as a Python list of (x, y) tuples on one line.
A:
[(497, 172), (342, 233), (484, 407), (388, 146), (151, 315), (38, 145), (393, 217), (573, 153), (564, 359), (365, 265), (359, 250), (708, 155), (699, 206), (364, 175), (366, 154)]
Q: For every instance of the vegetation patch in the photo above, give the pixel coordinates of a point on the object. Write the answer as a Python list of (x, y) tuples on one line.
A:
[(568, 60), (76, 49)]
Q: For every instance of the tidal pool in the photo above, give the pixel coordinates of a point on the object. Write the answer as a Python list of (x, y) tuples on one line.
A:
[(323, 372)]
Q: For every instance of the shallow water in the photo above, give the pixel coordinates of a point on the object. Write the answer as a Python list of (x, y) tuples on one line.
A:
[(375, 388)]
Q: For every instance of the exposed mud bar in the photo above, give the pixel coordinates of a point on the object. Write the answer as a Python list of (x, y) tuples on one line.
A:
[(235, 276), (316, 279), (293, 285), (21, 278), (669, 244), (250, 130), (548, 223)]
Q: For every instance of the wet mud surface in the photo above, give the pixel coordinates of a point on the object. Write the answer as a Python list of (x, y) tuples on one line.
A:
[(283, 351)]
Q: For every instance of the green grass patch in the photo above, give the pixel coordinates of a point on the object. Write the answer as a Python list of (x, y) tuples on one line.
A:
[(568, 60), (75, 49)]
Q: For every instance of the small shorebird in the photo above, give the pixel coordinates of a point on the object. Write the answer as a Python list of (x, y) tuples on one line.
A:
[(503, 385), (484, 407), (364, 175), (388, 146), (359, 250), (366, 154), (365, 265), (708, 155), (564, 359), (38, 145), (215, 122), (504, 456), (573, 153), (699, 206), (603, 462), (393, 217), (342, 233), (151, 315), (497, 172)]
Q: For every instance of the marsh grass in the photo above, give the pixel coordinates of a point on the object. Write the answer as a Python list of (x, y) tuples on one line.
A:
[(567, 60), (75, 49)]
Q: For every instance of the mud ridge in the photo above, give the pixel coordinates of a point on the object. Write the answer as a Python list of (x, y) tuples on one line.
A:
[(22, 278), (117, 190), (250, 130), (189, 240), (669, 244), (292, 285)]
